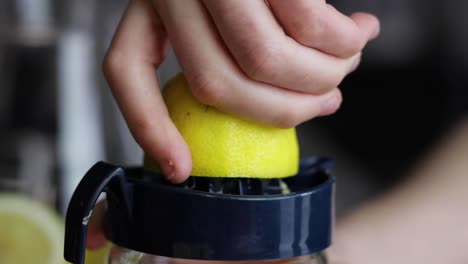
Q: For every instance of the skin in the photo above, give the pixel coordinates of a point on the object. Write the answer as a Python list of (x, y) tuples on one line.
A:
[(424, 220), (275, 62), (231, 52), (278, 63)]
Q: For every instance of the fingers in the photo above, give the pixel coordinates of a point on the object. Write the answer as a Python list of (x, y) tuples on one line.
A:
[(95, 239), (264, 53), (318, 25), (215, 78), (137, 49), (368, 24)]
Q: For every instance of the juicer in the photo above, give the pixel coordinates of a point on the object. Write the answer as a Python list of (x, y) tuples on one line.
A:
[(206, 219)]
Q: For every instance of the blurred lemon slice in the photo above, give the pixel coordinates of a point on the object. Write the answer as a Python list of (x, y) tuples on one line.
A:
[(30, 232), (223, 145), (99, 256)]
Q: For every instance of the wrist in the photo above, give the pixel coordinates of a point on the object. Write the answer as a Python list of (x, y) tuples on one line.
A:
[(387, 233)]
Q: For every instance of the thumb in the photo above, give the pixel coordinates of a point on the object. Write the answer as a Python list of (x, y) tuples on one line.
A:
[(96, 239)]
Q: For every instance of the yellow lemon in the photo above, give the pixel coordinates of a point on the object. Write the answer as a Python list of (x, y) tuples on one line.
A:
[(30, 232), (223, 145)]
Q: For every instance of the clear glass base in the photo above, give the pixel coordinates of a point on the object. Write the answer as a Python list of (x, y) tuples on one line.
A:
[(120, 255)]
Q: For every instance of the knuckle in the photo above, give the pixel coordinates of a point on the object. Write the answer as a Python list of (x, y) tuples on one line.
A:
[(260, 62), (326, 83), (311, 27), (205, 88), (288, 118), (331, 105), (112, 62), (338, 102), (334, 80), (336, 77), (355, 44)]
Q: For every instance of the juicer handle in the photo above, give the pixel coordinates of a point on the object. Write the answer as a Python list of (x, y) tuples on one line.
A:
[(82, 203)]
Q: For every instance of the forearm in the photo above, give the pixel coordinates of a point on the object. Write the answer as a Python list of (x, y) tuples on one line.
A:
[(425, 220)]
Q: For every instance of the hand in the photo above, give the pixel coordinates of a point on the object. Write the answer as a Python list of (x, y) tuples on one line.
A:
[(423, 220), (277, 62)]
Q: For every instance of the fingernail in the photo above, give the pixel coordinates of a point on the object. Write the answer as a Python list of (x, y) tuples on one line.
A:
[(330, 105), (168, 169)]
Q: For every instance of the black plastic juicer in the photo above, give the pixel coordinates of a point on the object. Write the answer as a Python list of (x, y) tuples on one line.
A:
[(207, 220)]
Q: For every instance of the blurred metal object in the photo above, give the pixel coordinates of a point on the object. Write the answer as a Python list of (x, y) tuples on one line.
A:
[(27, 102), (80, 140), (86, 107), (27, 164)]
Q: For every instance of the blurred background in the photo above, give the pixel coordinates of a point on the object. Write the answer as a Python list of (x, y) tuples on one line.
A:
[(57, 117)]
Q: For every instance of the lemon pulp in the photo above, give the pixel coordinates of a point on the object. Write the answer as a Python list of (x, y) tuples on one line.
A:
[(223, 145)]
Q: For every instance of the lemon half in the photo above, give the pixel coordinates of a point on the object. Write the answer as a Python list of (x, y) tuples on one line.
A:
[(223, 145), (30, 232)]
